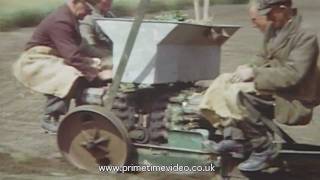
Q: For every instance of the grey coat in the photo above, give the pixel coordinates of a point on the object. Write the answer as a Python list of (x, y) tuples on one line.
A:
[(288, 67)]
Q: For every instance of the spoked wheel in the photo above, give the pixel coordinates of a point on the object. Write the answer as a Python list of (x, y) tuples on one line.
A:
[(90, 136)]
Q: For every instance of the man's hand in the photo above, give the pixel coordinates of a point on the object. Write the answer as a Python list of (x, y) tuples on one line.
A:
[(96, 63), (105, 74), (93, 69), (243, 74), (242, 67)]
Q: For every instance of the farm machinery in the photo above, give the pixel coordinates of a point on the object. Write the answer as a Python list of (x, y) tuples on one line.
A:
[(150, 114)]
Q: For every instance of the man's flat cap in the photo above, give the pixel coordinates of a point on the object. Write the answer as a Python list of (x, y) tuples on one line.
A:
[(265, 5)]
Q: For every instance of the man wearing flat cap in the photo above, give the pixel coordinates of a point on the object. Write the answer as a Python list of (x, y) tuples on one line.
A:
[(53, 64), (281, 84)]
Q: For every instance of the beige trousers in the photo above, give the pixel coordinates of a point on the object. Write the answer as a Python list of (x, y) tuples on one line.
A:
[(41, 70), (220, 103)]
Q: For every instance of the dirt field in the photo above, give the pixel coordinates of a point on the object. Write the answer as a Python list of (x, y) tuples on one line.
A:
[(27, 153)]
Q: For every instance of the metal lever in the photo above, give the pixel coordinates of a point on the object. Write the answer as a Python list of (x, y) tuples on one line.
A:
[(126, 53)]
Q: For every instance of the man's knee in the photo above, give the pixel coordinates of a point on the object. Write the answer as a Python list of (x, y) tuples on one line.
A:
[(257, 107), (233, 133)]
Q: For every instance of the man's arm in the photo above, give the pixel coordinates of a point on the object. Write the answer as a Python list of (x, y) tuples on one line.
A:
[(89, 38), (87, 31), (63, 38), (302, 56)]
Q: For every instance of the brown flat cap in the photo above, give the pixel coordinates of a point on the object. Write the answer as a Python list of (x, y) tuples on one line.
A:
[(265, 5)]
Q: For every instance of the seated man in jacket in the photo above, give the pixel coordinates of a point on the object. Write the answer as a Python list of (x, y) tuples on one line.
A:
[(53, 64), (281, 84)]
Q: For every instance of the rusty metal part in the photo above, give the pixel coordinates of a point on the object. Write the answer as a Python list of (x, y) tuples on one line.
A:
[(90, 136), (139, 135), (158, 130), (124, 110)]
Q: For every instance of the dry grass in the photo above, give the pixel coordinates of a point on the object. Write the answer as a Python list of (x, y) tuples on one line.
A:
[(17, 13)]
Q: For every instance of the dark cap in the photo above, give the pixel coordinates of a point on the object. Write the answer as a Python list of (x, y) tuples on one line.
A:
[(266, 5)]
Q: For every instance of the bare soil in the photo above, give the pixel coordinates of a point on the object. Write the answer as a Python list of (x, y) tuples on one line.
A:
[(27, 153)]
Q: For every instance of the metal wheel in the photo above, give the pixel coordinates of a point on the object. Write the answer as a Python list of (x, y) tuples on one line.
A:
[(90, 136)]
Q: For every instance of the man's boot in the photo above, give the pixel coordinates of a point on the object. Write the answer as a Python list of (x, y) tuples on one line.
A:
[(233, 143), (260, 160), (263, 148), (50, 124), (235, 148)]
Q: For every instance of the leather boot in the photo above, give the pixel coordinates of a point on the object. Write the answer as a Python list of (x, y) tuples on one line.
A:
[(235, 148), (50, 124), (260, 160)]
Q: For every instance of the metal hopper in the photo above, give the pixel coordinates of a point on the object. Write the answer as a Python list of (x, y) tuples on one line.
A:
[(168, 52)]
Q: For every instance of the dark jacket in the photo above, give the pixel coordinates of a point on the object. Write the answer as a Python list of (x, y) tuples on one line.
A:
[(60, 31)]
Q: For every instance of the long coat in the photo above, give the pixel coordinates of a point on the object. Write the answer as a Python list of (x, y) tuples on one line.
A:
[(288, 67)]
